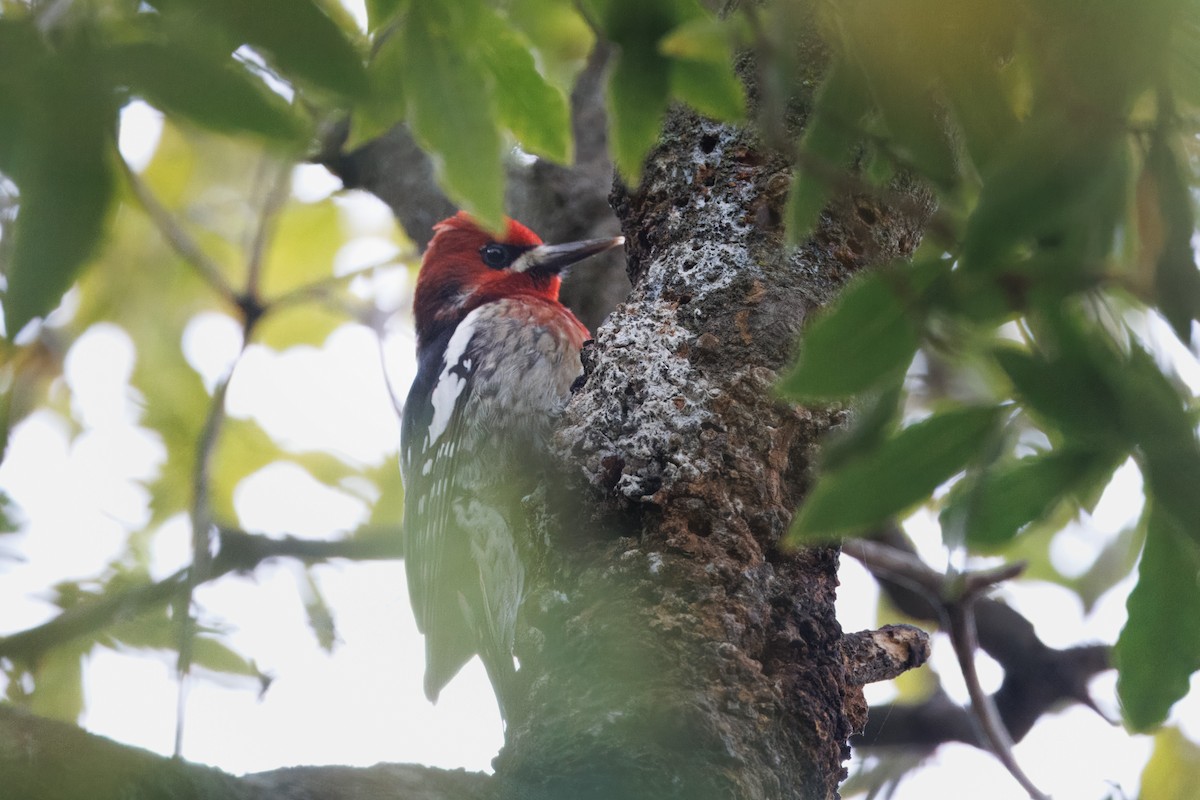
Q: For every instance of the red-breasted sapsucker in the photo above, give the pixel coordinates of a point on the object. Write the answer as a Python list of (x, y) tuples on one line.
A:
[(496, 356)]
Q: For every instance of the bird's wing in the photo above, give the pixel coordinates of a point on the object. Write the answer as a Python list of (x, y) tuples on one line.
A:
[(436, 552)]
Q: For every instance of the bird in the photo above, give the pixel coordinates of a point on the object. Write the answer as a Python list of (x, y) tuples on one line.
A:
[(497, 355)]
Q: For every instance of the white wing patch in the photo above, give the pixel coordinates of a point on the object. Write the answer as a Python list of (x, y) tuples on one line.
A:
[(449, 385)]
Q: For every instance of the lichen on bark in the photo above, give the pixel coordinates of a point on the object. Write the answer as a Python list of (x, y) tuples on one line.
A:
[(673, 647)]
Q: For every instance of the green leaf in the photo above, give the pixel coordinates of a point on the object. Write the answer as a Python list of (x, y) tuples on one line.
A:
[(890, 43), (827, 146), (388, 506), (1153, 415), (702, 68), (1001, 501), (209, 652), (1173, 771), (215, 94), (296, 325), (872, 423), (318, 613), (703, 38), (867, 339), (638, 94), (1114, 564), (902, 472), (58, 684), (1158, 649), (386, 105), (712, 89), (304, 243), (65, 199), (1052, 184), (535, 111), (560, 34), (1177, 281), (60, 162), (450, 109), (1064, 392), (297, 36), (380, 11)]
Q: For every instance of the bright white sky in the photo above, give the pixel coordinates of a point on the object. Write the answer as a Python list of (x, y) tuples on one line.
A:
[(363, 704)]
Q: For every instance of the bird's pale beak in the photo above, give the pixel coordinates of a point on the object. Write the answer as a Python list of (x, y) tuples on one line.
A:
[(554, 258)]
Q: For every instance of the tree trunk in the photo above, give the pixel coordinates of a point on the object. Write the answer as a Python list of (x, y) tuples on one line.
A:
[(671, 648)]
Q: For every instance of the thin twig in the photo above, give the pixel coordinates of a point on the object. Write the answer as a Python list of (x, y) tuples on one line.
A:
[(179, 239), (202, 533), (321, 289), (277, 195), (984, 711)]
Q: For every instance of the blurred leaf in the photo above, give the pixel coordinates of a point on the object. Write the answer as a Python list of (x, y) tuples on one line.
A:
[(1173, 771), (450, 109), (58, 684), (9, 513), (297, 35), (710, 88), (704, 38), (305, 239), (873, 421), (867, 339), (318, 612), (702, 68), (973, 49), (388, 507), (1053, 183), (157, 631), (219, 95), (379, 11), (297, 325), (64, 204), (244, 448), (892, 44), (561, 35), (830, 135), (1154, 416), (902, 472), (638, 93), (1184, 68), (1066, 393), (209, 652), (999, 502), (1115, 563), (639, 87), (528, 105), (58, 155), (1156, 654), (1177, 281), (386, 105), (176, 404)]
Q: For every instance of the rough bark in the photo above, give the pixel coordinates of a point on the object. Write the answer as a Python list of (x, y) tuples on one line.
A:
[(673, 649)]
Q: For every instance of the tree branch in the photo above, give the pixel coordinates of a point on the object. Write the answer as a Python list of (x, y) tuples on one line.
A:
[(884, 654), (237, 551), (179, 239), (1037, 678), (42, 759)]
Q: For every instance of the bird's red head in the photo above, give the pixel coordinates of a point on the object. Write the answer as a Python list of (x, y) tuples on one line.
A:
[(466, 266)]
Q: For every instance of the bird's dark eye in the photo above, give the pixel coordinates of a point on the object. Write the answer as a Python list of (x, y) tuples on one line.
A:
[(496, 256)]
